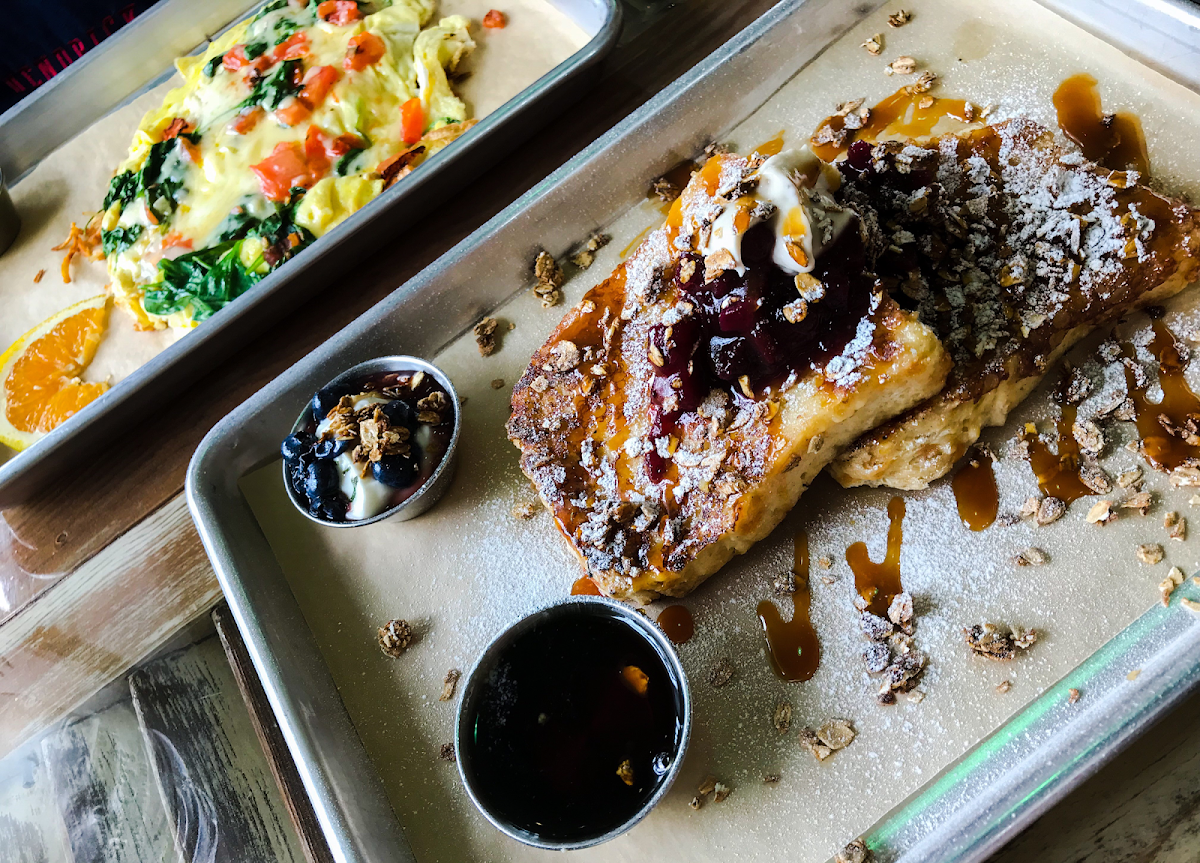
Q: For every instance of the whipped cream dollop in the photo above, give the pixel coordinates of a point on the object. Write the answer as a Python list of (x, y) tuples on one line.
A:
[(791, 191)]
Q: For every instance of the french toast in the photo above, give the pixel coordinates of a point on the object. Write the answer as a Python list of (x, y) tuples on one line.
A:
[(1012, 248), (679, 410)]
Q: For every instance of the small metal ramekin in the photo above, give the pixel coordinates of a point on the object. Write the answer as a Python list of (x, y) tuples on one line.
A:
[(10, 221), (598, 605), (429, 493)]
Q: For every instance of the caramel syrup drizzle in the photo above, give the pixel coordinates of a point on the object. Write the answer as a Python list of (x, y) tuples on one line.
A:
[(771, 147), (975, 491), (899, 115), (1113, 140), (1057, 472), (677, 623), (793, 645), (878, 583), (1179, 406), (585, 587)]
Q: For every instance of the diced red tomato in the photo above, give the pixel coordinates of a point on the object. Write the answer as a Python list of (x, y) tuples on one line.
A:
[(317, 83), (412, 121), (292, 111), (315, 151), (321, 150), (282, 171), (176, 239), (175, 128), (259, 65), (340, 12), (291, 48), (343, 144), (235, 58), (366, 49), (246, 120), (495, 19)]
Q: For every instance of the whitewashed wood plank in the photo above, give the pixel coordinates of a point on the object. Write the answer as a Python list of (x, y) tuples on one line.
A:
[(104, 790), (92, 627), (30, 829), (216, 785)]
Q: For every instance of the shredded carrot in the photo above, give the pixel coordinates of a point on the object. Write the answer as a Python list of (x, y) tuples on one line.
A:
[(92, 238), (74, 244)]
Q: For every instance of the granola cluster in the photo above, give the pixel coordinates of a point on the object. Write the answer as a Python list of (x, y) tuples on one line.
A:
[(891, 653), (997, 641), (835, 734), (549, 277)]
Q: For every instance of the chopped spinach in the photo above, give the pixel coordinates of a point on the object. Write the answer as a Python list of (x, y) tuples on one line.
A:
[(123, 188), (119, 239), (211, 67), (276, 229), (205, 280), (236, 225), (284, 28), (254, 49), (161, 177), (346, 163), (269, 8), (271, 90)]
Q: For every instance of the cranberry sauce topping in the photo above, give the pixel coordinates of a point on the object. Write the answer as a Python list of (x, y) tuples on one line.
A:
[(754, 329)]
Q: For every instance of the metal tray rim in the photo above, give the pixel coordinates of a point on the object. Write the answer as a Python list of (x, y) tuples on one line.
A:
[(938, 822)]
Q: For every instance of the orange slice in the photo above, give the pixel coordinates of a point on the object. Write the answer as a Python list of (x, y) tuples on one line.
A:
[(41, 372)]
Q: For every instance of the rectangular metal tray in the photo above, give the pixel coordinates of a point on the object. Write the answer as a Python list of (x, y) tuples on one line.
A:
[(139, 56), (965, 812)]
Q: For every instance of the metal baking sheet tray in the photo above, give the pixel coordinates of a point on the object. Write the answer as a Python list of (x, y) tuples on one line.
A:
[(947, 779), (137, 58)]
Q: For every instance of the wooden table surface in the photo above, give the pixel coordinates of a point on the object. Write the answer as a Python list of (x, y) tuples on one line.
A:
[(106, 565)]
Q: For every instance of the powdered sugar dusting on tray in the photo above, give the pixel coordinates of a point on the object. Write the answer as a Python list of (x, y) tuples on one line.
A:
[(471, 566)]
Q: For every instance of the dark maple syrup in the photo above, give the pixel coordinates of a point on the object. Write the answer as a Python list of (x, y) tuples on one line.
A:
[(975, 491), (573, 728), (1179, 404), (878, 583), (793, 645), (1113, 140), (1057, 472), (677, 623)]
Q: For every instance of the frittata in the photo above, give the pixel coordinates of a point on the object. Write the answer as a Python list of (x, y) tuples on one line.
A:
[(284, 127)]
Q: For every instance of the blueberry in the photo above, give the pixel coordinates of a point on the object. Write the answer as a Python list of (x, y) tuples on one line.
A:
[(334, 508), (397, 471), (320, 478), (324, 401), (330, 448), (400, 413), (295, 445)]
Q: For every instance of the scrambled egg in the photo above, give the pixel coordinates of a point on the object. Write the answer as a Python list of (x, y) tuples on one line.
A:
[(283, 128)]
